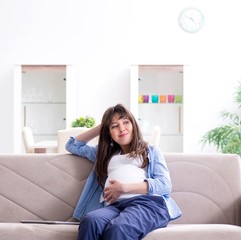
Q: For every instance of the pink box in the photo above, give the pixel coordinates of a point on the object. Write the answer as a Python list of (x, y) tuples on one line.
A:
[(171, 98)]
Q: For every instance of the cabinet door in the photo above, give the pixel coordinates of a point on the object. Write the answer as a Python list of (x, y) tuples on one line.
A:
[(43, 99), (167, 116), (47, 94), (44, 128), (152, 91)]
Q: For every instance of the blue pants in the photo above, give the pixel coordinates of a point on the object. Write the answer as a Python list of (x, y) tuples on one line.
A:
[(128, 219)]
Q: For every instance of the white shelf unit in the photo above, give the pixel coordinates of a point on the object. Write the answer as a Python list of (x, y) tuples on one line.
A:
[(159, 80)]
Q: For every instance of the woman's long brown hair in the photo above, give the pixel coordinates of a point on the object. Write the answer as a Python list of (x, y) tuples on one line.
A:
[(107, 147)]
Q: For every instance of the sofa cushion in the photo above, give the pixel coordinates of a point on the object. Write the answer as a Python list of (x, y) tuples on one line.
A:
[(22, 231), (19, 231), (196, 232)]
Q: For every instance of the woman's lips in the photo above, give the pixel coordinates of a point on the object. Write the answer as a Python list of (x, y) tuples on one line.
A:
[(123, 134)]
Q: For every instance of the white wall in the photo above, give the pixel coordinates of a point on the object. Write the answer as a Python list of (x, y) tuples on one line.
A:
[(103, 38)]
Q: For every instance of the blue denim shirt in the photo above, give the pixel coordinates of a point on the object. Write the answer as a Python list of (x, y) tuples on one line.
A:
[(159, 182)]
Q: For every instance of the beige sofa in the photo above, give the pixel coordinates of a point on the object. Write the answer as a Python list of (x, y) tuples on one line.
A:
[(47, 186)]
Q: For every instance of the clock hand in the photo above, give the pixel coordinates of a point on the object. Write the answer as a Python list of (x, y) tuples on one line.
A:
[(190, 18)]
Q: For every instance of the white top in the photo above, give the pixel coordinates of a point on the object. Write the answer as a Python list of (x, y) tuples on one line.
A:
[(127, 170)]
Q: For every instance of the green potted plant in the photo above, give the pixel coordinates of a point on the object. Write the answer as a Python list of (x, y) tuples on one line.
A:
[(227, 138), (87, 122)]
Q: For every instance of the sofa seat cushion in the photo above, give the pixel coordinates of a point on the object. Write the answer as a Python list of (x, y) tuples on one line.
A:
[(22, 231), (196, 232)]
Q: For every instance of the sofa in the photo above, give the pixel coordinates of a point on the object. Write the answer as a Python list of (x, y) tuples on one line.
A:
[(207, 188)]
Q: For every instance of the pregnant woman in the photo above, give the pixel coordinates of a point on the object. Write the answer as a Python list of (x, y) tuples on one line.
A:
[(127, 194)]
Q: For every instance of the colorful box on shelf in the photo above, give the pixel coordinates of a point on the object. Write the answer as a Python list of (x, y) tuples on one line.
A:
[(140, 99), (171, 98), (163, 98), (146, 98), (178, 99), (154, 98)]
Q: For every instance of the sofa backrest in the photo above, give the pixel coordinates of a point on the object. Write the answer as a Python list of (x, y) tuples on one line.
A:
[(207, 187), (40, 186), (47, 186)]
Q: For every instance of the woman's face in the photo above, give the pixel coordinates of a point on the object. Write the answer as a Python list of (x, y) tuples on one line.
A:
[(121, 131)]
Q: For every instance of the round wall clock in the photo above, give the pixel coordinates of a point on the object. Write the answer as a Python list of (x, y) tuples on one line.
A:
[(191, 20)]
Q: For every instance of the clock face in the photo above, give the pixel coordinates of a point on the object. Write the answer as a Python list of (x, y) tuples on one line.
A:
[(191, 20)]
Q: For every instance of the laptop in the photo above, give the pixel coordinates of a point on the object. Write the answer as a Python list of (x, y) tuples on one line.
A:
[(49, 222)]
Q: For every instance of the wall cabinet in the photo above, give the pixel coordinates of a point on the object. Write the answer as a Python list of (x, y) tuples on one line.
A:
[(157, 99), (44, 100)]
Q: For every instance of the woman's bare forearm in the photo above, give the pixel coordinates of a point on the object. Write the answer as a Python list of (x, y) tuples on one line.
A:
[(89, 135)]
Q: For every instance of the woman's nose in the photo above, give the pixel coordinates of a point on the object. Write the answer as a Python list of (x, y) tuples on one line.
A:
[(122, 128)]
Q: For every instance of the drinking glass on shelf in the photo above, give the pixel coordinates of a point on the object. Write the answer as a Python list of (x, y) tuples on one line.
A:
[(33, 95), (50, 97), (40, 97)]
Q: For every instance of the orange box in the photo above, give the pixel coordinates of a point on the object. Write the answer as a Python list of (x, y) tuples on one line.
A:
[(163, 98)]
